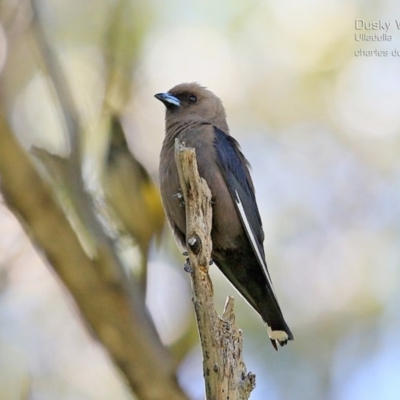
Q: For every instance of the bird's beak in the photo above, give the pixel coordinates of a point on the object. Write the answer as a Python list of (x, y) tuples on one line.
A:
[(168, 99)]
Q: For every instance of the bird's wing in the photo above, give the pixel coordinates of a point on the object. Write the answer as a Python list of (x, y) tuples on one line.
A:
[(234, 166)]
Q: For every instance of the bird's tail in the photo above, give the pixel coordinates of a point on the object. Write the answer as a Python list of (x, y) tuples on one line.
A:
[(280, 337), (277, 328)]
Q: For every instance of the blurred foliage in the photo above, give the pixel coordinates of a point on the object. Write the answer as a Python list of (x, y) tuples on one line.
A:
[(320, 127), (131, 194)]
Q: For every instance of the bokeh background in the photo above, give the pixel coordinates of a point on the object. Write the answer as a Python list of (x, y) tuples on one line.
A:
[(320, 126)]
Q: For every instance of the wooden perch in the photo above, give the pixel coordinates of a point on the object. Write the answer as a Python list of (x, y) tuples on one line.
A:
[(221, 341)]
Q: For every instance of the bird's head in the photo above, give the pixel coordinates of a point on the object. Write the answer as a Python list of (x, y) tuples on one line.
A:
[(192, 102)]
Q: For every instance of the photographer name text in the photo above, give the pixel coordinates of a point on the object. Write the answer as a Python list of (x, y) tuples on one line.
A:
[(376, 31)]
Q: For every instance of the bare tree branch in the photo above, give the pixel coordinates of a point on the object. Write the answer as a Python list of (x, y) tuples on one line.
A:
[(127, 333), (223, 368), (72, 122), (112, 306)]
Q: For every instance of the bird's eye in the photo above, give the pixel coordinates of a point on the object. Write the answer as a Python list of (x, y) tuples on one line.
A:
[(192, 98)]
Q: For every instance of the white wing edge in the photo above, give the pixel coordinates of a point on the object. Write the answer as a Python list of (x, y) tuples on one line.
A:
[(253, 241)]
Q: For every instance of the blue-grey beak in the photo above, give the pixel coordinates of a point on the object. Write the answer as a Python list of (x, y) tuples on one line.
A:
[(168, 99)]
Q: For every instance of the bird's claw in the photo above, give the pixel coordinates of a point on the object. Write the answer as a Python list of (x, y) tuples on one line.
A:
[(187, 267), (179, 196), (194, 244)]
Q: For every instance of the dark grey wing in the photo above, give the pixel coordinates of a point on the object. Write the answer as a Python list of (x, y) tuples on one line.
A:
[(234, 168)]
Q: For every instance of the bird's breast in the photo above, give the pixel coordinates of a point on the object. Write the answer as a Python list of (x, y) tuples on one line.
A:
[(227, 229)]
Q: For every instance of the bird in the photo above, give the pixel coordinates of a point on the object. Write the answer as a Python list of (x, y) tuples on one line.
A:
[(196, 116), (131, 193)]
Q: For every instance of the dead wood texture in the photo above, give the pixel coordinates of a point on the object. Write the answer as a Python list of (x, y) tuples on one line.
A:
[(221, 341)]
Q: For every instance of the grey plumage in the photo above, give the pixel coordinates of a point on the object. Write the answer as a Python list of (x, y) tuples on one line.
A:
[(197, 117)]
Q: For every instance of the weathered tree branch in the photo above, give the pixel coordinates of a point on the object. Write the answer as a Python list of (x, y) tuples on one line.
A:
[(111, 305), (97, 284), (223, 368)]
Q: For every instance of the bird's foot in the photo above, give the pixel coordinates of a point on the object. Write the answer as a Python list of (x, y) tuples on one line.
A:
[(179, 196), (194, 244), (187, 267)]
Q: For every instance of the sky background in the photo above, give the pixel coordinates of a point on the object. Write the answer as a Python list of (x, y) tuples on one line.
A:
[(316, 111)]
